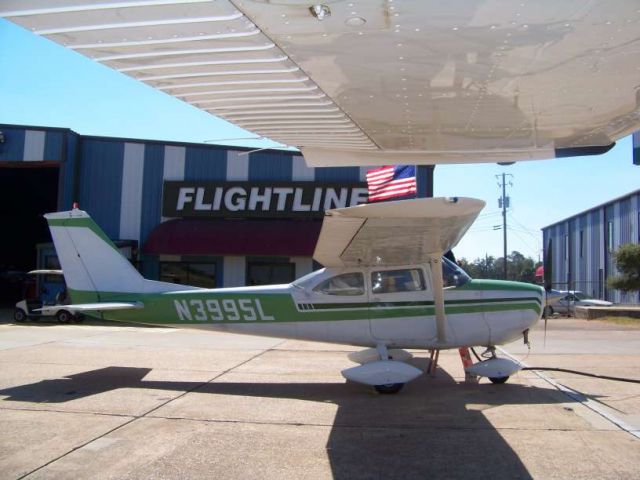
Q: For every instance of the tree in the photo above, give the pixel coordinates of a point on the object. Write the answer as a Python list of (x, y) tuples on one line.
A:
[(519, 267), (627, 259)]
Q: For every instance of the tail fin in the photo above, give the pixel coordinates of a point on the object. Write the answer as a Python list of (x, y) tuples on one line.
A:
[(91, 263)]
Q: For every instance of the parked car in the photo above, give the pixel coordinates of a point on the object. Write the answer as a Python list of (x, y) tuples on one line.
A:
[(32, 308), (572, 299)]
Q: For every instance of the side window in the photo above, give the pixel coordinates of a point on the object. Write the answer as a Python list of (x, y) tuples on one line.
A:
[(390, 281), (345, 284)]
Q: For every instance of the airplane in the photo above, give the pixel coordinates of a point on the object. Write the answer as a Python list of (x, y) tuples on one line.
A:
[(376, 82), (385, 286)]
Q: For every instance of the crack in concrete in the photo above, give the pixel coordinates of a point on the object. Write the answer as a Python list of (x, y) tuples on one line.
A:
[(142, 416)]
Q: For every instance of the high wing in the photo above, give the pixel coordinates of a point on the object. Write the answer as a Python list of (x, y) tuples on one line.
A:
[(366, 82), (403, 232), (394, 233)]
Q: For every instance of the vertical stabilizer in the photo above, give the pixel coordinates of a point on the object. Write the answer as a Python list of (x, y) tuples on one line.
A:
[(89, 260)]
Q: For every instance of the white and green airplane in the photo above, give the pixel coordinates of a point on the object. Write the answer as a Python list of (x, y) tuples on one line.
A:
[(386, 286)]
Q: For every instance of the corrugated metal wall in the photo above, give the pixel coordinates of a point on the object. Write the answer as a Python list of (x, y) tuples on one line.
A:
[(588, 272), (119, 182), (50, 146)]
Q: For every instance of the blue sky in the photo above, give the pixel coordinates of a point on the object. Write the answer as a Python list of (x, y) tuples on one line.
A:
[(44, 84)]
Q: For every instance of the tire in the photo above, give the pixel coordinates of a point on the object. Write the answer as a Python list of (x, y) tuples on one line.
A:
[(389, 388), (78, 318), (498, 380), (549, 310), (19, 315), (64, 316)]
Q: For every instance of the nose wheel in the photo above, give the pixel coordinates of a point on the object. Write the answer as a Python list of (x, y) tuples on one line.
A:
[(497, 370)]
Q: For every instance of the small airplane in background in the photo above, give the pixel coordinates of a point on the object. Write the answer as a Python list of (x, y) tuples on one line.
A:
[(386, 286)]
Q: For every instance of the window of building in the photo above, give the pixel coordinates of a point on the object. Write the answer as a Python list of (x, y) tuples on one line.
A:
[(566, 247), (270, 272), (345, 284), (189, 273), (581, 243), (391, 281)]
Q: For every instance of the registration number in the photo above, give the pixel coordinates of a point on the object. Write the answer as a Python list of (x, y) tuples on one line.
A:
[(219, 310)]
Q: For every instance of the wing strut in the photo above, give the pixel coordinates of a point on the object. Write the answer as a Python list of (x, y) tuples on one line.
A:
[(438, 297)]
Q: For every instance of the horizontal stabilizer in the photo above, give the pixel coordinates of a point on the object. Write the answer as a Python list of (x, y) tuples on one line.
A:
[(93, 307)]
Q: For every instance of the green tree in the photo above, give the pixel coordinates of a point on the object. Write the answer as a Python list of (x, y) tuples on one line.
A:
[(519, 267), (627, 259)]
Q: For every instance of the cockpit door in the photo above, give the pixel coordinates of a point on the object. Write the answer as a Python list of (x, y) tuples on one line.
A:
[(401, 310)]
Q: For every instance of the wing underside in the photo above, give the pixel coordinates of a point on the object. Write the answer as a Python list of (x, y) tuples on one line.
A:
[(376, 81), (394, 233)]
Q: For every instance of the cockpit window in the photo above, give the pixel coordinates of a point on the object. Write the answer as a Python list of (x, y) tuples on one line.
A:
[(391, 281), (452, 274), (345, 284)]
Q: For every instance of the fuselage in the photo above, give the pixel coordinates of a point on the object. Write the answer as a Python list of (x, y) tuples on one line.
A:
[(355, 306)]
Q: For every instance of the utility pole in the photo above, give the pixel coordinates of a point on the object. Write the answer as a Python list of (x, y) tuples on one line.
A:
[(503, 202)]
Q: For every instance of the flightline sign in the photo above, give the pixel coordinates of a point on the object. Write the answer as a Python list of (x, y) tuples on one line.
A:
[(258, 199)]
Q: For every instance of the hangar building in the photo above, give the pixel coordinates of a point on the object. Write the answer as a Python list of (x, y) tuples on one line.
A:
[(582, 247), (198, 214)]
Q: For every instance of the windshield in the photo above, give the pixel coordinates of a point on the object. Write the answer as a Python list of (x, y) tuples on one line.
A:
[(302, 282), (452, 274)]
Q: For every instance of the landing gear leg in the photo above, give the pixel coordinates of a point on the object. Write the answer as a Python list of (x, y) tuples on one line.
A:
[(433, 362)]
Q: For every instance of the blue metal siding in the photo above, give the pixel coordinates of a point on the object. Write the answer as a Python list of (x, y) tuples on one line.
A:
[(68, 171), (54, 146), (202, 163), (151, 189), (270, 166), (337, 174), (592, 252), (12, 150), (101, 183)]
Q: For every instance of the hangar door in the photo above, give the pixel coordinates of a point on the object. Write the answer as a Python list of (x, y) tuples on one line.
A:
[(26, 193)]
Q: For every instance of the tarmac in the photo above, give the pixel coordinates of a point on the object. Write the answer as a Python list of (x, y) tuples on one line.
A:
[(101, 400)]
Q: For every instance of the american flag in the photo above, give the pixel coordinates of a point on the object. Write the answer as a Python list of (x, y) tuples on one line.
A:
[(391, 181)]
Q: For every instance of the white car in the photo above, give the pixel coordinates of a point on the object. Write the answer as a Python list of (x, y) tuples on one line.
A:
[(572, 299), (32, 309)]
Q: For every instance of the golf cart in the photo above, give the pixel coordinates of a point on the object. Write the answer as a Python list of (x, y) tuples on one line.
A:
[(31, 308)]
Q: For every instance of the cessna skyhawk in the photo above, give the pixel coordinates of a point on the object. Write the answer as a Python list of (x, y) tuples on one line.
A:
[(386, 286)]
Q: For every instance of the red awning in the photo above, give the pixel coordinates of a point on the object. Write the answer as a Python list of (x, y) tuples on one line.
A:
[(290, 238)]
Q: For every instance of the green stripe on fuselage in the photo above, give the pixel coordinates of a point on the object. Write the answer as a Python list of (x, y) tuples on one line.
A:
[(205, 306)]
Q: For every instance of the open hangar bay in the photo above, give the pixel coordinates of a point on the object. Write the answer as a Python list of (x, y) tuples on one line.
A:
[(118, 401)]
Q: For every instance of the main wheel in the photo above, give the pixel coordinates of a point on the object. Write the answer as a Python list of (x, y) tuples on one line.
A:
[(19, 315), (389, 388), (63, 316), (498, 380)]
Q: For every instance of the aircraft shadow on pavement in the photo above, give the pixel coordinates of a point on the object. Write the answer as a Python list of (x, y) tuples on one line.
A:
[(435, 427)]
